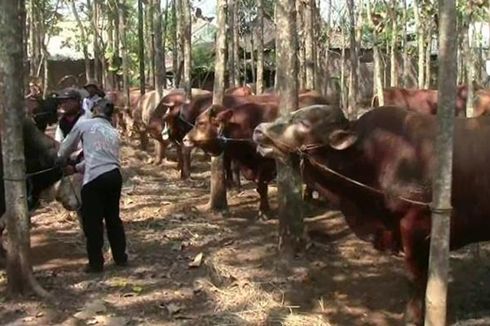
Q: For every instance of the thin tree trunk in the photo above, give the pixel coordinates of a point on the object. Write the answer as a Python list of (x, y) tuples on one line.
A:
[(236, 43), (427, 82), (150, 19), (175, 42), (159, 49), (470, 73), (327, 48), (252, 58), (353, 76), (436, 294), (343, 90), (20, 279), (124, 52), (300, 25), (406, 62), (309, 46), (378, 79), (83, 40), (231, 42), (187, 30), (141, 47), (420, 43), (97, 55), (217, 200), (259, 88), (164, 46), (393, 45), (117, 41), (289, 182)]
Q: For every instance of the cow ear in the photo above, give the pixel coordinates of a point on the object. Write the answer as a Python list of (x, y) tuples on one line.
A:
[(224, 116), (342, 139)]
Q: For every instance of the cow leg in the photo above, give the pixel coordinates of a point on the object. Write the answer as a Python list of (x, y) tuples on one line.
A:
[(143, 139), (180, 159), (185, 171), (308, 194), (160, 147), (235, 170), (262, 189), (3, 253), (415, 244)]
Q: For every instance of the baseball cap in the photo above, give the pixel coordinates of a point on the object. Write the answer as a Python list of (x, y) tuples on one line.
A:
[(91, 82), (68, 94)]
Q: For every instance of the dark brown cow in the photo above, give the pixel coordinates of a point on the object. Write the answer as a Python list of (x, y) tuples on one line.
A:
[(238, 122), (123, 115), (390, 153), (420, 100)]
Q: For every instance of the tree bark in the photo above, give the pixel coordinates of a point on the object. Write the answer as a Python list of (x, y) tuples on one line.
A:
[(187, 30), (159, 49), (436, 294), (420, 43), (327, 47), (354, 61), (20, 279), (176, 42), (288, 179), (427, 81), (309, 44), (141, 47), (217, 200)]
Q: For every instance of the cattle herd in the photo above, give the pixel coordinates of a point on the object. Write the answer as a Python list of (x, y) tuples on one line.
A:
[(378, 169)]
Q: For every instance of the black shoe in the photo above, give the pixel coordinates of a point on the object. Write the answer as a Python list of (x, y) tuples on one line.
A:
[(124, 263), (93, 270)]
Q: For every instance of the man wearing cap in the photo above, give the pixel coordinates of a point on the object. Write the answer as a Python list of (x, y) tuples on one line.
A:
[(70, 110), (102, 183), (95, 94)]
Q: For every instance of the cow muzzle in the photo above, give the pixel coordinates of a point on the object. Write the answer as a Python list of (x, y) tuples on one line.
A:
[(187, 142)]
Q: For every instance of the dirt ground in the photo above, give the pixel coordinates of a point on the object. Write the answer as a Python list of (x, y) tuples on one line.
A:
[(240, 280)]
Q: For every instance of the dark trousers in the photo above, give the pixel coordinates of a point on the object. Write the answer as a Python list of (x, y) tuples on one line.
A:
[(100, 201)]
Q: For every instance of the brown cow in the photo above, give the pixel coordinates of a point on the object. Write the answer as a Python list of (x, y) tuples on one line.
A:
[(123, 115), (481, 104), (420, 100), (379, 171), (238, 122), (239, 91)]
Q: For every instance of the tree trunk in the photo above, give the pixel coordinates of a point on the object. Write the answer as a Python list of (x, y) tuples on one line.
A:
[(353, 76), (231, 42), (300, 25), (406, 62), (378, 75), (150, 19), (124, 52), (20, 279), (470, 73), (439, 245), (309, 44), (427, 82), (343, 90), (141, 47), (164, 46), (83, 40), (159, 49), (117, 41), (96, 45), (217, 200), (236, 43), (186, 15), (289, 182), (394, 37), (327, 48), (175, 42), (420, 42), (259, 88)]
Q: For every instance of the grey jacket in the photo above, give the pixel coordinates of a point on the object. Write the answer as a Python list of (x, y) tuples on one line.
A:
[(100, 143)]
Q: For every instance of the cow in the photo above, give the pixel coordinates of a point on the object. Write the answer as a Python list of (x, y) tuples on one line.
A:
[(229, 129), (379, 172), (44, 177), (481, 104), (123, 114), (239, 91), (420, 100), (42, 111)]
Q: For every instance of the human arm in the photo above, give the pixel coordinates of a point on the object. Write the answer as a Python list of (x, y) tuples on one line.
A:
[(70, 143), (58, 135)]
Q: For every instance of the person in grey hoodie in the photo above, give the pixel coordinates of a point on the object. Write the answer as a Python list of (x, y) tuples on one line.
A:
[(102, 183)]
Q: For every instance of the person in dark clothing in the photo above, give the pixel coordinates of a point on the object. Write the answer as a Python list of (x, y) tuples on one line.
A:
[(102, 183)]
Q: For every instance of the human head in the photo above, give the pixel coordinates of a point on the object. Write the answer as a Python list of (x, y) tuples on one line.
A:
[(69, 101)]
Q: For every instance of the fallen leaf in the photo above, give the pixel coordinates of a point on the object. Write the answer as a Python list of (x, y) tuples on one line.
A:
[(197, 260)]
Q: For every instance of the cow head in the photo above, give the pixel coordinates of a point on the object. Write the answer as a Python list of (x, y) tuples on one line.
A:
[(208, 129), (66, 191), (43, 111), (310, 126), (171, 120)]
